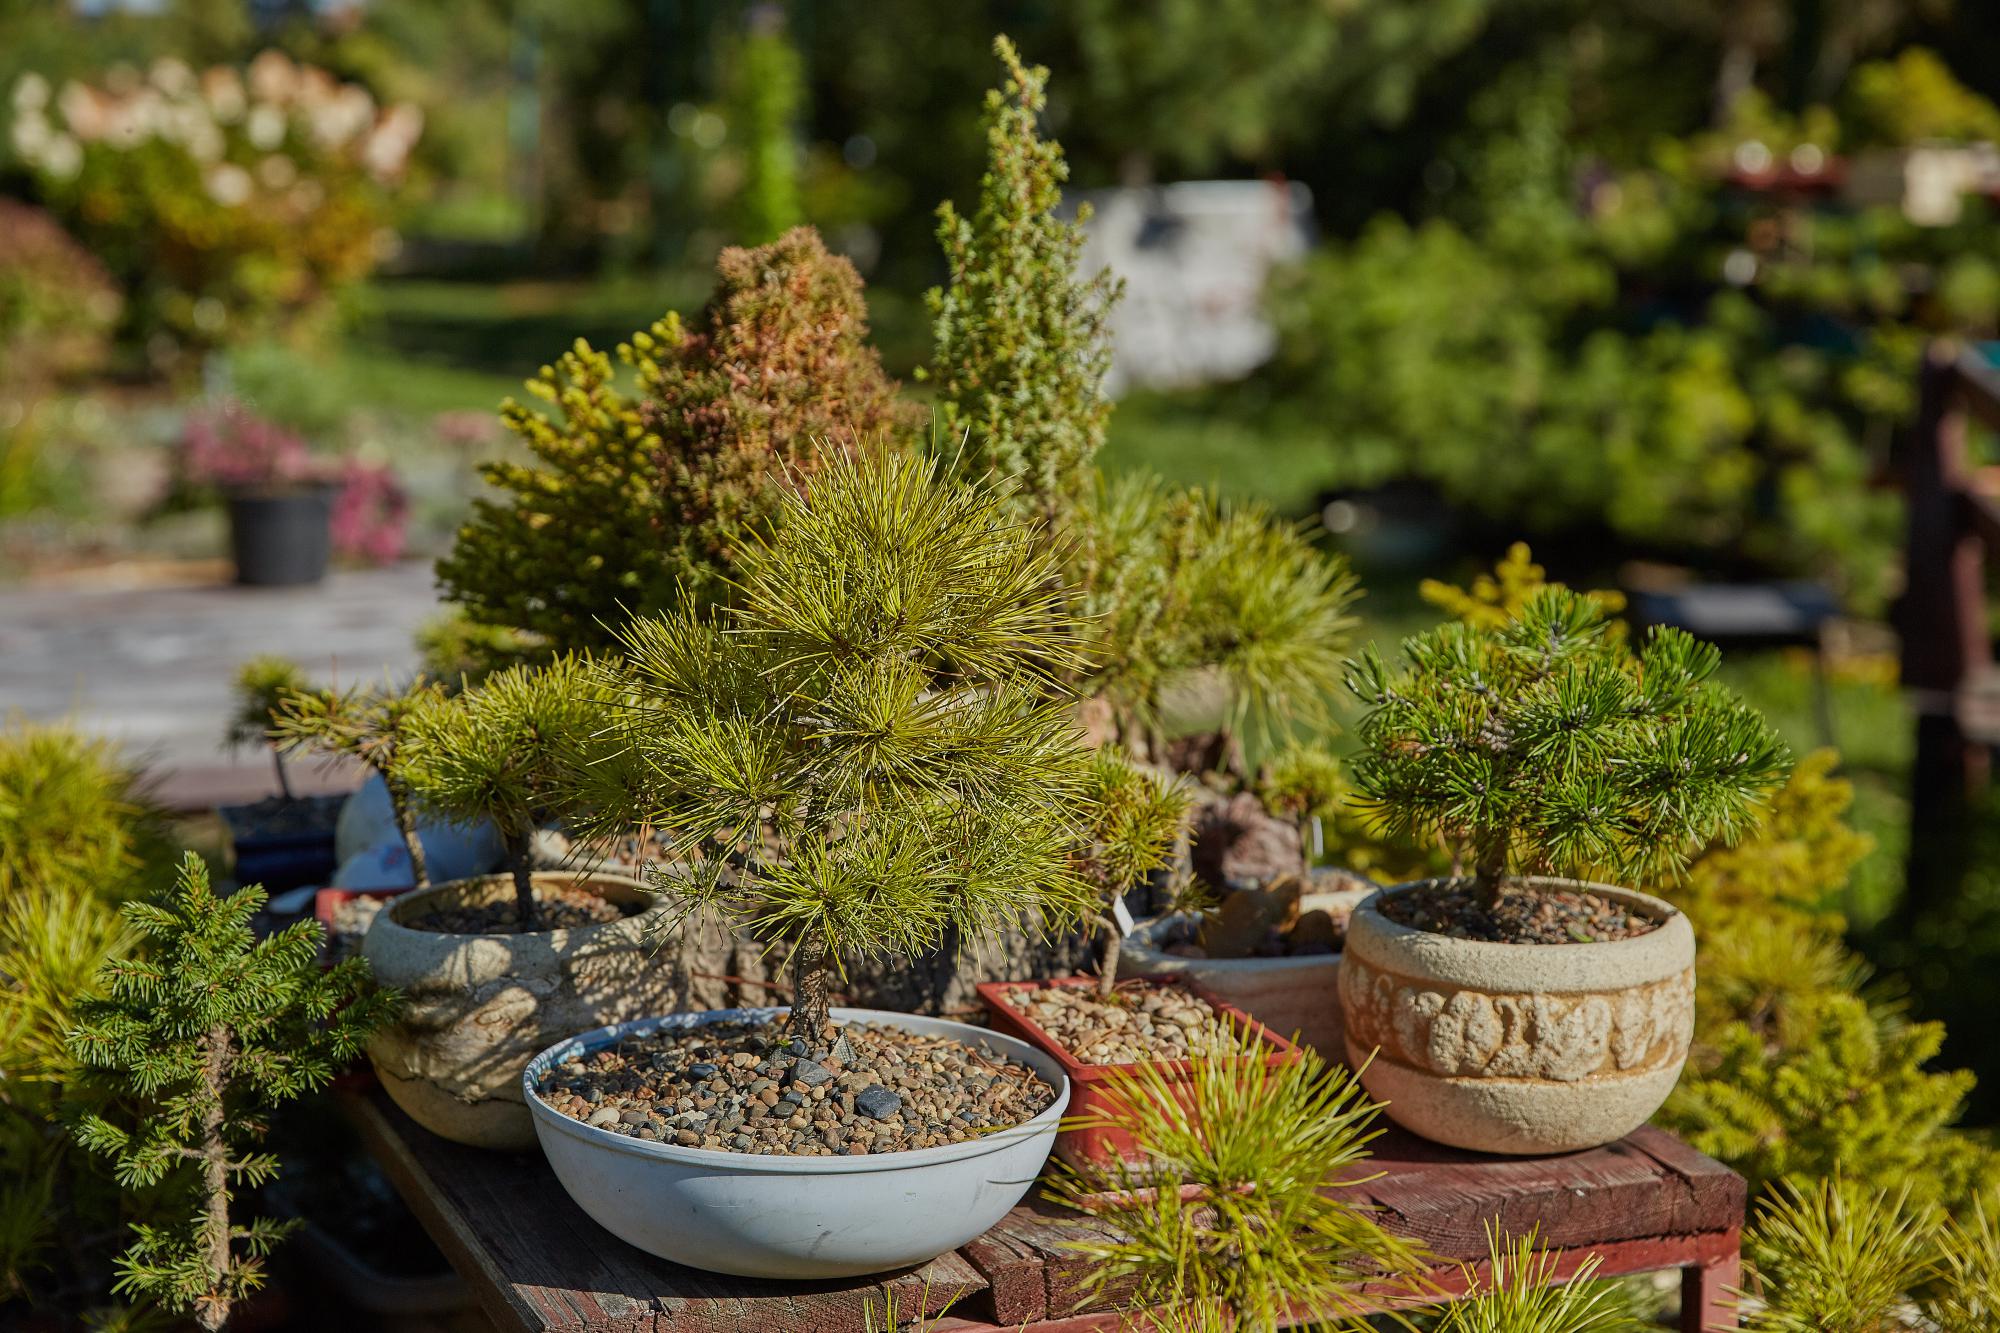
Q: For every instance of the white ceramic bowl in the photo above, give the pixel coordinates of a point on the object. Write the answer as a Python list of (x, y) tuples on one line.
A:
[(795, 1217)]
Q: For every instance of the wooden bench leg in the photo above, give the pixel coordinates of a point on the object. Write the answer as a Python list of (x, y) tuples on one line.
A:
[(1708, 1294)]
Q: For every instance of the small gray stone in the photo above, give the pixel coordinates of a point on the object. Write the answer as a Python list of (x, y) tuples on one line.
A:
[(699, 1072), (877, 1102), (603, 1115), (810, 1073)]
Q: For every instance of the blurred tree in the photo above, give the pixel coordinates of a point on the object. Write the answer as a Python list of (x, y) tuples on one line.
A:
[(765, 88)]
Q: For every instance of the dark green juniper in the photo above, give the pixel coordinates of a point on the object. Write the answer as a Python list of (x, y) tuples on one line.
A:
[(869, 748), (1545, 745), (510, 750), (368, 725), (204, 1030)]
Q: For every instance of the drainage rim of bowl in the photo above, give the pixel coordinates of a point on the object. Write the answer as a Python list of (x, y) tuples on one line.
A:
[(786, 1163)]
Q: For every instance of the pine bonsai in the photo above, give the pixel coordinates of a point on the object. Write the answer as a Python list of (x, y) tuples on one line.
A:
[(368, 725), (1136, 820), (637, 501), (1302, 783), (204, 1031), (868, 748), (1545, 745), (510, 749), (1022, 343), (262, 686)]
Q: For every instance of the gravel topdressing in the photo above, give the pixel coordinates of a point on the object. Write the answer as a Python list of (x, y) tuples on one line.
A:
[(1523, 916), (559, 909), (1140, 1022), (748, 1088)]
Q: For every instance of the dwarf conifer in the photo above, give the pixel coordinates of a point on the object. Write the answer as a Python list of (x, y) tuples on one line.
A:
[(203, 1031), (262, 685), (368, 725), (1545, 745), (868, 748)]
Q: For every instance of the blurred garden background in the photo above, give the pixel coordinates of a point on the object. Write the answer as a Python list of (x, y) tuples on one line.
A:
[(1646, 285)]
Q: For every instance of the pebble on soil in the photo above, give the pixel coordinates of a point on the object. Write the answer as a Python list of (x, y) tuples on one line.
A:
[(751, 1088), (1524, 915), (1141, 1022)]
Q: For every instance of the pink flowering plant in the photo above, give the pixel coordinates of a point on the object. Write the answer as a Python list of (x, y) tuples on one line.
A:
[(371, 514), (231, 202)]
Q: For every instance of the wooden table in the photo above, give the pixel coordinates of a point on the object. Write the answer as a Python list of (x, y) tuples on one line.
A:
[(1644, 1204)]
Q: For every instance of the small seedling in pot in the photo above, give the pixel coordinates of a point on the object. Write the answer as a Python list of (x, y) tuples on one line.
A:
[(1302, 783), (1543, 744), (368, 725), (262, 686), (1136, 818), (511, 750), (868, 750), (202, 1032)]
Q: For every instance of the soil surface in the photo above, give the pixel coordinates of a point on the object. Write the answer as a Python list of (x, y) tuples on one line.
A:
[(1141, 1021), (749, 1088), (558, 908), (1523, 916)]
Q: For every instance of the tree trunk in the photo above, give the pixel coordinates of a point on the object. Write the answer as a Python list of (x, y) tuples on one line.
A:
[(1114, 948), (1490, 875), (211, 1308), (520, 857), (284, 782), (809, 1018), (1735, 76), (406, 824)]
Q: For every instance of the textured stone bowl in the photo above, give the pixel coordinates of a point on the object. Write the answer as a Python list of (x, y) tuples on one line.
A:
[(478, 1007), (1519, 1048)]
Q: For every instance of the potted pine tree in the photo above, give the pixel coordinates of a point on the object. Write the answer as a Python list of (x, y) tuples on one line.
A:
[(865, 753), (1507, 1009), (498, 966), (286, 839)]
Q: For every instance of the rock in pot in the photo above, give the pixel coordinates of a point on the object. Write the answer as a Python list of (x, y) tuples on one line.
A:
[(783, 1216), (1519, 1048), (478, 1007)]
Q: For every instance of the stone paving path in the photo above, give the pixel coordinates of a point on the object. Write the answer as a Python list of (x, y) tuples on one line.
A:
[(150, 664)]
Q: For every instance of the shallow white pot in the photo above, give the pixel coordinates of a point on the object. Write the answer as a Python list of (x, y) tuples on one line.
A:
[(795, 1217), (1519, 1048), (1287, 995)]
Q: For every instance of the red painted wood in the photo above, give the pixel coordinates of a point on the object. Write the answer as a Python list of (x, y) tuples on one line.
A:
[(539, 1265)]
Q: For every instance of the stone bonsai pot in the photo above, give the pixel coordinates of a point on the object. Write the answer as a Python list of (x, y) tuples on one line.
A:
[(1509, 1011), (788, 1216), (1519, 1048), (478, 1006)]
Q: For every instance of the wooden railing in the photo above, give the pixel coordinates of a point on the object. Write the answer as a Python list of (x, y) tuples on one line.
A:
[(1953, 537)]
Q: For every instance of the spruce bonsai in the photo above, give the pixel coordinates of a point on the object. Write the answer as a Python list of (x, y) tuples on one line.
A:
[(509, 749), (638, 500), (869, 748), (1544, 745), (262, 686), (203, 1032), (368, 725)]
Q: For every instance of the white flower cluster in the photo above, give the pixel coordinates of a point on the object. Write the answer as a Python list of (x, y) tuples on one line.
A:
[(276, 108)]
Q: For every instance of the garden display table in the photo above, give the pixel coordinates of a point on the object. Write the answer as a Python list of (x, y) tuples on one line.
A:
[(537, 1263)]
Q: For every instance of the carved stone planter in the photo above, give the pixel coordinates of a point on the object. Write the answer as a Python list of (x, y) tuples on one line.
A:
[(478, 1007), (1519, 1048)]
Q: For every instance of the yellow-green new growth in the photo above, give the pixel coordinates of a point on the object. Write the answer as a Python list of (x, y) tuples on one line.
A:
[(262, 685)]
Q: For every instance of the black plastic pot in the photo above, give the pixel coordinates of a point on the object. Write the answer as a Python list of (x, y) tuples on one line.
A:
[(283, 844), (281, 538)]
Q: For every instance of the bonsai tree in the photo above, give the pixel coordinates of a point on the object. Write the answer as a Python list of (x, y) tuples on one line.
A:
[(201, 1032), (1302, 783), (368, 725), (510, 750), (1544, 745), (636, 500), (1136, 818), (869, 747), (262, 686)]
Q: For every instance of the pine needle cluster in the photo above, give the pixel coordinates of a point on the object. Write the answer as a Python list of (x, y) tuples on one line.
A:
[(1022, 343), (868, 748), (639, 498), (1840, 1256), (512, 749), (1546, 745), (203, 1031), (370, 725), (262, 685), (1226, 1207), (1520, 1293)]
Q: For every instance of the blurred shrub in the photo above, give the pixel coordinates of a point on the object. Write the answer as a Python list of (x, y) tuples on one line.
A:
[(229, 202), (57, 304)]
